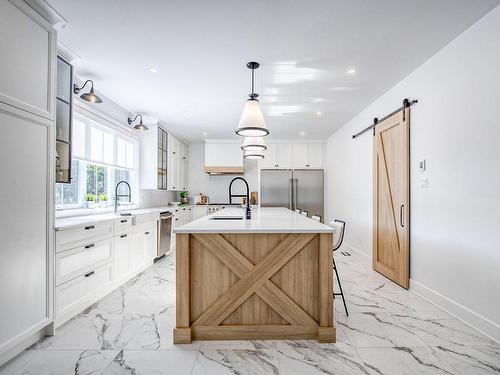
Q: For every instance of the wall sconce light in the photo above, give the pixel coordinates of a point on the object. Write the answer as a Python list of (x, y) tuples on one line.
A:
[(88, 96), (140, 125)]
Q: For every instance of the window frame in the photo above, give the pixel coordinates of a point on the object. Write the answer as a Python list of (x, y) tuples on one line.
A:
[(91, 120)]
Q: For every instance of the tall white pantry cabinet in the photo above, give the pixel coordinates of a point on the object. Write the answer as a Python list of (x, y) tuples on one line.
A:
[(27, 165)]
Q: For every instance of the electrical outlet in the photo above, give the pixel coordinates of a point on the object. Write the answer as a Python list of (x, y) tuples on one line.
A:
[(424, 183), (422, 165)]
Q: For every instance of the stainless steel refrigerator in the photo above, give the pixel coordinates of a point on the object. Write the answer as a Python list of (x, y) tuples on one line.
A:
[(295, 189)]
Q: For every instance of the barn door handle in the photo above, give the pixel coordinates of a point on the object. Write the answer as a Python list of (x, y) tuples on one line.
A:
[(401, 215)]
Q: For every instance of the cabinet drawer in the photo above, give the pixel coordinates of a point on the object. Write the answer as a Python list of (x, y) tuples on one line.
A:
[(73, 292), (82, 259), (70, 238), (123, 225)]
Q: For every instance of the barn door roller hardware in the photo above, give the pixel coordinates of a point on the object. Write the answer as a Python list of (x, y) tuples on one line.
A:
[(406, 103)]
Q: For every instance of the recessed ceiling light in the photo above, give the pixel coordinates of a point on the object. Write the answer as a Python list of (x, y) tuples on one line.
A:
[(351, 71), (302, 133), (152, 70), (319, 113)]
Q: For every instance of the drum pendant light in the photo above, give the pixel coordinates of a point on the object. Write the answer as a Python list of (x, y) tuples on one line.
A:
[(252, 122), (253, 144), (253, 154)]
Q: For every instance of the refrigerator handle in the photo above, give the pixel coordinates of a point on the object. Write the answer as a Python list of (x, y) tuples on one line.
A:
[(294, 189), (290, 194)]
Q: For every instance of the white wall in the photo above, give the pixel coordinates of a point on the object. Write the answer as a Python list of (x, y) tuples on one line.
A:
[(216, 187), (455, 223)]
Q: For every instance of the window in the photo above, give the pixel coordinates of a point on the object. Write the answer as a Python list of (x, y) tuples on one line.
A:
[(101, 158)]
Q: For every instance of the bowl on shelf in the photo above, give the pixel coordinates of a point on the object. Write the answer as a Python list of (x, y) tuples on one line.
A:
[(174, 203)]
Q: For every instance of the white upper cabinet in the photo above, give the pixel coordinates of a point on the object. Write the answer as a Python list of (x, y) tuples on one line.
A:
[(308, 155), (292, 155), (177, 164), (300, 157), (269, 160), (278, 156), (315, 155), (28, 59), (163, 160)]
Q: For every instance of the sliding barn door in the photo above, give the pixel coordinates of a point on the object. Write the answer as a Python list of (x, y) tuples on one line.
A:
[(391, 240)]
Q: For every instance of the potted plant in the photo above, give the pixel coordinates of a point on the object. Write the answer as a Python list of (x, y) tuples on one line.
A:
[(184, 197), (103, 200), (90, 200)]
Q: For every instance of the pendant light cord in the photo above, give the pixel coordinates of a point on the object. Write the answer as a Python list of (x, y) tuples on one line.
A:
[(252, 83)]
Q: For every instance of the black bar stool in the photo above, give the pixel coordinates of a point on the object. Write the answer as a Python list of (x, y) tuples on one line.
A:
[(339, 226)]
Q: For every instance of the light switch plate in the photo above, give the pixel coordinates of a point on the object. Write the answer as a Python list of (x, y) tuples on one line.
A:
[(422, 165)]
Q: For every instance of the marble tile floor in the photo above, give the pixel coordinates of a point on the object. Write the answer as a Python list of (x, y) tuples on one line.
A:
[(389, 331)]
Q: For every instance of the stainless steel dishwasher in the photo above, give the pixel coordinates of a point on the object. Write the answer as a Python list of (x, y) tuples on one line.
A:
[(164, 233)]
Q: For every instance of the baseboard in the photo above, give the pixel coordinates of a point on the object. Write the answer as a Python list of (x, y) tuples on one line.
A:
[(366, 258), (20, 346), (480, 323), (462, 313)]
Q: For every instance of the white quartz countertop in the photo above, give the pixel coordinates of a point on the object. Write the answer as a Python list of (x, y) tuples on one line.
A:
[(264, 220), (76, 221)]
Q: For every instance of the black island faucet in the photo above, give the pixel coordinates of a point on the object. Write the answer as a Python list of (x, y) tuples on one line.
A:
[(248, 214)]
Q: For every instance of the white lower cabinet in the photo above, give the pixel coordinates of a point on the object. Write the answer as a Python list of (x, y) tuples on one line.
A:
[(122, 255), (138, 253), (151, 241), (144, 242), (82, 259), (95, 266), (78, 293)]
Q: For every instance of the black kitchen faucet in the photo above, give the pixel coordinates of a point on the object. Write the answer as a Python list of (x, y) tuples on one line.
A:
[(247, 195)]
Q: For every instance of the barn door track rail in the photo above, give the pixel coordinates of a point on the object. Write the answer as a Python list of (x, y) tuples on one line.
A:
[(406, 103)]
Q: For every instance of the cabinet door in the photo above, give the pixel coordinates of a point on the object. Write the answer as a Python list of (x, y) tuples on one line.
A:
[(25, 270), (137, 252), (27, 63), (173, 178), (300, 157), (173, 145), (184, 174), (150, 243), (269, 160), (315, 155), (122, 255), (284, 155)]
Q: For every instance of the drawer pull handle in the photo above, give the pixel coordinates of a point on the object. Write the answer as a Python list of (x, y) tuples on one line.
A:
[(124, 221), (89, 246), (89, 274), (123, 236), (146, 232), (90, 227)]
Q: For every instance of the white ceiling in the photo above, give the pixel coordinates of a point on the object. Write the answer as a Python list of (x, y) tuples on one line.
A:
[(200, 49)]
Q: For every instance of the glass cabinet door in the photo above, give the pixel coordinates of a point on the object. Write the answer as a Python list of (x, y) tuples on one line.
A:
[(64, 119)]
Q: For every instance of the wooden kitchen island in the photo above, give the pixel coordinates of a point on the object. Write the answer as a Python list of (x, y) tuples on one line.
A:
[(266, 278)]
